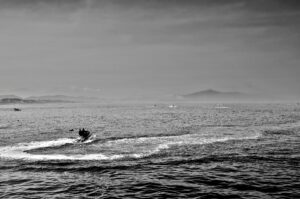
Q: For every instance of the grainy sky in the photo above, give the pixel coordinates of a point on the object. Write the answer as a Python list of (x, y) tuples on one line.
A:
[(146, 48)]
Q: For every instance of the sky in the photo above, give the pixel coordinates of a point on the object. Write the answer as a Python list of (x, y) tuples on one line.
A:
[(149, 48)]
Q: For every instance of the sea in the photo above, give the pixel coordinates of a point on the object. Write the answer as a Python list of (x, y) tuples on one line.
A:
[(150, 150)]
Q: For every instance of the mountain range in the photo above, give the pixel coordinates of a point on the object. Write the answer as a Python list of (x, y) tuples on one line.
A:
[(11, 99), (215, 95)]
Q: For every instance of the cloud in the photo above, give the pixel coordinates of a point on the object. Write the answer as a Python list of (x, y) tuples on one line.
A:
[(257, 5), (135, 45)]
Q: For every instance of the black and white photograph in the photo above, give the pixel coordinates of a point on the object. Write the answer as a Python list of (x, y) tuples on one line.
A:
[(149, 99)]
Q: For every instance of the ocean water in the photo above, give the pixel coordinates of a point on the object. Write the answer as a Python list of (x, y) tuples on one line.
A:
[(150, 151)]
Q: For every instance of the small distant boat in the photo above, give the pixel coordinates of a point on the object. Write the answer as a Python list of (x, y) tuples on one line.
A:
[(172, 106), (17, 109)]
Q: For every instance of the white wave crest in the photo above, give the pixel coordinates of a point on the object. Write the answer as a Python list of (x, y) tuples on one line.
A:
[(19, 152)]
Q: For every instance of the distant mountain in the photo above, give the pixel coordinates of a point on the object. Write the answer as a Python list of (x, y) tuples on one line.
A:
[(15, 101), (211, 94), (60, 98), (9, 97)]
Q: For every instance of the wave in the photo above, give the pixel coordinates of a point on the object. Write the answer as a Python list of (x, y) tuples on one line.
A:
[(19, 151), (282, 129), (177, 133), (121, 148)]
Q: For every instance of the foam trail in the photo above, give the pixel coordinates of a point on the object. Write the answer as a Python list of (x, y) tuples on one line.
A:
[(161, 143), (157, 144), (18, 151), (192, 139)]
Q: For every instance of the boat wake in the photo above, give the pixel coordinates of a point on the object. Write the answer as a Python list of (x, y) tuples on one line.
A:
[(115, 149), (19, 151)]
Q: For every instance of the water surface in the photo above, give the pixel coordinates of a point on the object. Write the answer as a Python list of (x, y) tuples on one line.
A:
[(146, 151)]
